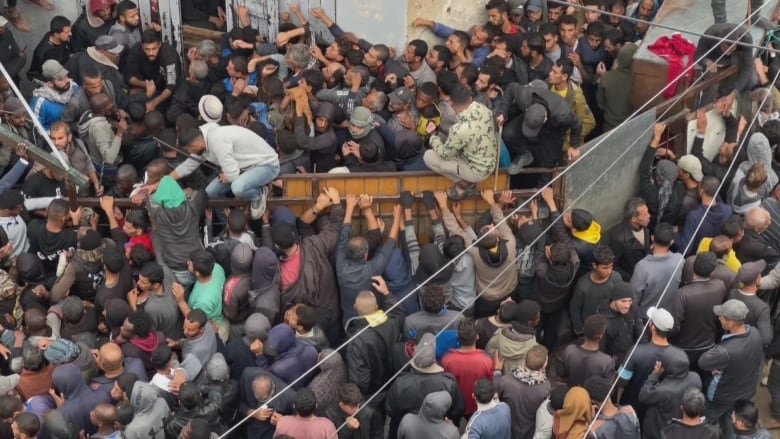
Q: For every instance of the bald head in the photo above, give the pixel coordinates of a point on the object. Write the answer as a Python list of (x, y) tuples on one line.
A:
[(100, 104), (111, 359), (104, 414), (365, 303), (262, 387), (720, 245), (757, 220)]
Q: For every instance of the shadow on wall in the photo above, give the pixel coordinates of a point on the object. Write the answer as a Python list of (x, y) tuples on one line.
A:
[(621, 182)]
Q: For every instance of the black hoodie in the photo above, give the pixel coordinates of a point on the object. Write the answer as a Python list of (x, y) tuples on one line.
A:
[(663, 394)]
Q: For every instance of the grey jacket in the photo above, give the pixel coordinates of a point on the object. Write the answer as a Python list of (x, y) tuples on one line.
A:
[(102, 142), (149, 413), (430, 423)]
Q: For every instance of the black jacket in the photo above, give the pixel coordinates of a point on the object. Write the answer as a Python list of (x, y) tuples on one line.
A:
[(677, 430), (165, 70), (739, 358), (553, 285), (185, 99), (695, 324), (622, 331), (407, 393), (84, 35), (753, 247), (663, 394), (82, 61), (368, 355), (559, 113), (9, 54), (372, 425), (284, 403), (628, 251), (45, 51), (208, 409)]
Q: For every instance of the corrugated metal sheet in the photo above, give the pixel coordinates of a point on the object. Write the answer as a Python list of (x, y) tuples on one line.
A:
[(264, 15)]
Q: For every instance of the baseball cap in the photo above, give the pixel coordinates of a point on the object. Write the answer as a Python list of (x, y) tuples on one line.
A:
[(661, 318), (732, 309), (533, 120), (210, 109), (750, 271), (691, 164), (109, 44), (401, 96), (53, 70)]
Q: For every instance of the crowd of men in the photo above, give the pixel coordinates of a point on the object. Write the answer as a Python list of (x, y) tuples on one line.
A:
[(172, 320)]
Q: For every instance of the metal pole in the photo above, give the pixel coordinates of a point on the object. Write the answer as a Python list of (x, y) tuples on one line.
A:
[(31, 115), (200, 160), (664, 26)]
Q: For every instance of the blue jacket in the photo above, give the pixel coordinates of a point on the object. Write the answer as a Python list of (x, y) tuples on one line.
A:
[(49, 110), (711, 226), (492, 423)]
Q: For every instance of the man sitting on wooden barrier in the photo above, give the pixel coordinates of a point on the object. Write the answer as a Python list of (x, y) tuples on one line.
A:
[(247, 163), (469, 154)]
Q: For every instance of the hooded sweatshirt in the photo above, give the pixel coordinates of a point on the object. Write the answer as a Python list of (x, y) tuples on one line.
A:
[(102, 142), (512, 345), (429, 423), (79, 398), (235, 299), (758, 151), (89, 27), (612, 96), (264, 296), (333, 375), (712, 225), (149, 415), (663, 394), (291, 357), (176, 233)]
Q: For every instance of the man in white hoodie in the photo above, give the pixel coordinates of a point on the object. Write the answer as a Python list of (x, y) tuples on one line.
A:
[(247, 163)]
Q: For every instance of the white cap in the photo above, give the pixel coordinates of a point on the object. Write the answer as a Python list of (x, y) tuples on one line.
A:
[(661, 318), (210, 109)]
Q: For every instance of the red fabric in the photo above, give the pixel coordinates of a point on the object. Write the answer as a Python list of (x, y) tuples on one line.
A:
[(290, 269), (679, 53), (148, 344), (230, 286), (468, 367), (97, 5), (144, 240)]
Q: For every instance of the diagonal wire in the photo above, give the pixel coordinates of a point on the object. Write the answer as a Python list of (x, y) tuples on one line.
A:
[(555, 178), (679, 263)]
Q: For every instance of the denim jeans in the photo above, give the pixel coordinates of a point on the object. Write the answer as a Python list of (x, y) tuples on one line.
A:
[(248, 185)]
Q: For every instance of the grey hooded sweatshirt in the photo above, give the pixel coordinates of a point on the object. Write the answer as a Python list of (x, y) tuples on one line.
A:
[(430, 423), (663, 394), (150, 412), (758, 151)]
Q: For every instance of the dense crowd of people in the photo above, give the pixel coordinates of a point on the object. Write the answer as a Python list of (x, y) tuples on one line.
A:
[(173, 320)]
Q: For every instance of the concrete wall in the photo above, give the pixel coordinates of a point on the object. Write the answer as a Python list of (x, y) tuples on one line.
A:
[(459, 14), (620, 183)]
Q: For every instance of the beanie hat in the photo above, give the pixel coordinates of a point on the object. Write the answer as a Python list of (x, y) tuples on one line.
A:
[(217, 368), (622, 290)]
